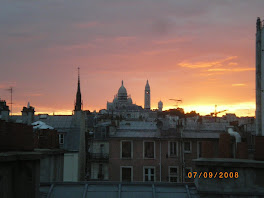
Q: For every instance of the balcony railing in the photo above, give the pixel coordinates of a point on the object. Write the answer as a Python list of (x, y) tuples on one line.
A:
[(98, 156)]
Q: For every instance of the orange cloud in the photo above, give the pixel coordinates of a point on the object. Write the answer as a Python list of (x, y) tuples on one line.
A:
[(239, 85), (206, 64), (232, 70), (232, 63)]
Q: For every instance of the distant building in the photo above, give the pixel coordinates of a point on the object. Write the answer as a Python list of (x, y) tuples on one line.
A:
[(160, 106), (122, 101), (123, 107), (147, 96)]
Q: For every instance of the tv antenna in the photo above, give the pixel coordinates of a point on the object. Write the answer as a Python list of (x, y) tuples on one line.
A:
[(11, 94)]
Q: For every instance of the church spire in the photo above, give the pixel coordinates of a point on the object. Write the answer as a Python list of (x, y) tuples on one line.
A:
[(78, 102)]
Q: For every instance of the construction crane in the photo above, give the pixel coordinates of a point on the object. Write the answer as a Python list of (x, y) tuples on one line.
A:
[(177, 101), (215, 113)]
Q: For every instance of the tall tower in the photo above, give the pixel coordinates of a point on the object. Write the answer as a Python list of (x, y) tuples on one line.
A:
[(78, 102), (259, 79), (160, 106), (147, 96)]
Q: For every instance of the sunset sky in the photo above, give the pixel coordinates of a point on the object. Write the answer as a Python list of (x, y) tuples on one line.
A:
[(200, 51)]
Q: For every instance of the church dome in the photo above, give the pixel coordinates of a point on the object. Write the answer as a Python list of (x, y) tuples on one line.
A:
[(122, 92)]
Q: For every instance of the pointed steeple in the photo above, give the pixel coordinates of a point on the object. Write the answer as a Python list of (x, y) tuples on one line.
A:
[(147, 85), (78, 102)]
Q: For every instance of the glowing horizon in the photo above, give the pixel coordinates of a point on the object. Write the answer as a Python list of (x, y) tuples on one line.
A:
[(200, 51), (241, 110)]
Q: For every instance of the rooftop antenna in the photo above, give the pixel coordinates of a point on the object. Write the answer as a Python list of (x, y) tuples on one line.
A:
[(11, 93)]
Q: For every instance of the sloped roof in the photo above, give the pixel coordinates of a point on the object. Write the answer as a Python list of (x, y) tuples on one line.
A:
[(137, 125), (137, 134), (59, 122), (41, 125), (211, 135)]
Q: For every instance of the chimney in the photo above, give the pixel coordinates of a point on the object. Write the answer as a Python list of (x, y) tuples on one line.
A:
[(28, 114), (4, 110)]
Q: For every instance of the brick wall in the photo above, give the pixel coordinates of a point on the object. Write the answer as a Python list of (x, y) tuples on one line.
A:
[(137, 162), (46, 138), (259, 148), (242, 150), (225, 145), (208, 149), (15, 136)]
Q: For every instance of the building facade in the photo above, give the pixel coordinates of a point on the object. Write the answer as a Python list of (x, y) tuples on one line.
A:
[(153, 157), (147, 96)]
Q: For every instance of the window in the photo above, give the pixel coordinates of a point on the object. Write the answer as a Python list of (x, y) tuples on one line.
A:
[(199, 149), (126, 174), (173, 174), (187, 147), (149, 150), (102, 150), (61, 138), (126, 149), (173, 149), (100, 172), (149, 174), (100, 169), (187, 170)]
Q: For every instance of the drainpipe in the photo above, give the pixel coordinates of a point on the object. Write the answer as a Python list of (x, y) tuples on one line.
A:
[(237, 137), (235, 134), (182, 156), (160, 158)]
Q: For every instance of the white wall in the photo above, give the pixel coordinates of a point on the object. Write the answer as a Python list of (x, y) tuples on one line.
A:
[(70, 167), (51, 168)]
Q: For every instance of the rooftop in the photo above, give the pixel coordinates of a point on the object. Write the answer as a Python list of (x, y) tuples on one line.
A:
[(117, 190), (137, 125)]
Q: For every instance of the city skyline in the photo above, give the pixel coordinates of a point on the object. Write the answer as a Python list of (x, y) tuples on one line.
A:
[(203, 54)]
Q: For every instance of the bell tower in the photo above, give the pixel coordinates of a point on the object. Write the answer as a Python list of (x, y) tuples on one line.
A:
[(147, 97)]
